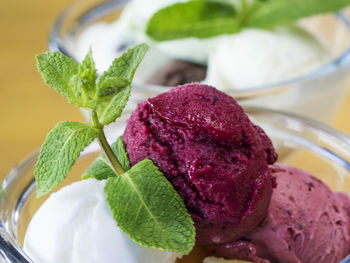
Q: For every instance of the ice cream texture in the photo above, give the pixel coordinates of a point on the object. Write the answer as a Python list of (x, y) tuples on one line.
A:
[(75, 225), (306, 223), (214, 156), (268, 55)]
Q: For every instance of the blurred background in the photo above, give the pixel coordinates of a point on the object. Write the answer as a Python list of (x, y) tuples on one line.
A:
[(28, 108)]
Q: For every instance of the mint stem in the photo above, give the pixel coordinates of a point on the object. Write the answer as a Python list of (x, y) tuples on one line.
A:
[(105, 146)]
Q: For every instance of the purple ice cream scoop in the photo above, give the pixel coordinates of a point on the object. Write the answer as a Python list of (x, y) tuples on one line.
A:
[(306, 223), (215, 157)]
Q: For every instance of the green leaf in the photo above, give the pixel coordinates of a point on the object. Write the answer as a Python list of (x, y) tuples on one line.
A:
[(198, 18), (271, 13), (87, 69), (61, 149), (102, 169), (57, 70), (110, 107), (83, 83), (119, 149), (75, 82), (124, 67), (110, 86), (149, 210)]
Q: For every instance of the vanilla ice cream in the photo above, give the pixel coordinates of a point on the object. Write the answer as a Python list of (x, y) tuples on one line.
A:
[(257, 57), (75, 225), (248, 64)]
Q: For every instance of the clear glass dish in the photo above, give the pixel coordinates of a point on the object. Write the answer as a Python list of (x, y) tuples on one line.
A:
[(306, 95), (317, 148)]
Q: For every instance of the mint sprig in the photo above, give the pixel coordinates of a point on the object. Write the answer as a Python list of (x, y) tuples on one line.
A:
[(209, 18), (144, 204)]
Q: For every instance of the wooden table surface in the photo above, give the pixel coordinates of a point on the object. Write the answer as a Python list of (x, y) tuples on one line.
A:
[(29, 109)]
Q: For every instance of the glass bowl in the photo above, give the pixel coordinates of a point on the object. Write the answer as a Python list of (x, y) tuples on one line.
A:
[(317, 148), (306, 95)]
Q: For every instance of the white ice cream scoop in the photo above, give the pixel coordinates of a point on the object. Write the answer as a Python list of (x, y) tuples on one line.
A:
[(75, 225)]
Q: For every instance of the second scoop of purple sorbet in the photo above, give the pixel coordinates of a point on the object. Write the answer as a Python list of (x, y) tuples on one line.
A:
[(214, 156), (307, 223)]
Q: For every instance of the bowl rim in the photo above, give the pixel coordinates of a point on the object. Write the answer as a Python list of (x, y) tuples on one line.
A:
[(56, 43)]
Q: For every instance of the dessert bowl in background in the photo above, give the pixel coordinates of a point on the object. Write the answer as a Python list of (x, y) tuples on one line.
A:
[(300, 142), (304, 94)]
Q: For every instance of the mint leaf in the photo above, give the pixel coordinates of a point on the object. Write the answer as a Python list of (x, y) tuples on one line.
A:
[(83, 84), (119, 149), (270, 13), (59, 152), (198, 18), (75, 82), (124, 67), (110, 86), (57, 70), (121, 72), (111, 109), (149, 210), (102, 169)]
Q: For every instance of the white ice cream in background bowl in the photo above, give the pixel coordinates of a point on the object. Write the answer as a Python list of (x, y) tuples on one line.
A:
[(297, 68), (251, 58), (259, 57)]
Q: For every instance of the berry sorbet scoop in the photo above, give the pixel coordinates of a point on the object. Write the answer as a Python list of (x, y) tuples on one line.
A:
[(214, 156)]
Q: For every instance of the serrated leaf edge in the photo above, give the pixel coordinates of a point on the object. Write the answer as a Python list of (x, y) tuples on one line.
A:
[(40, 192)]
